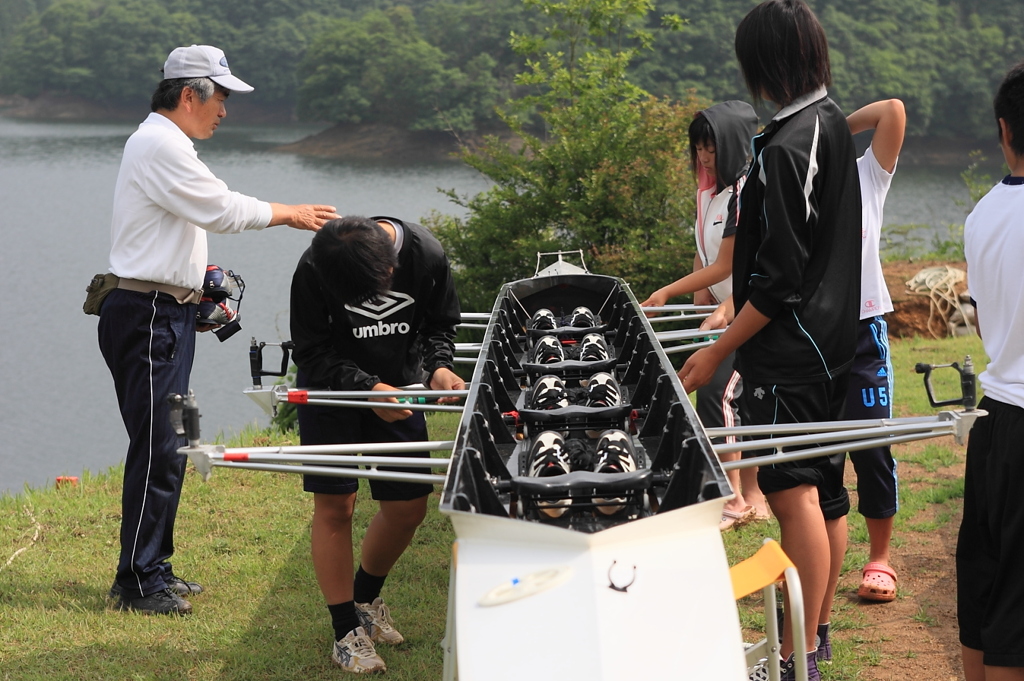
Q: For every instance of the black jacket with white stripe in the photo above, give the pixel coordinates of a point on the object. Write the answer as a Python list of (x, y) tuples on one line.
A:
[(797, 252)]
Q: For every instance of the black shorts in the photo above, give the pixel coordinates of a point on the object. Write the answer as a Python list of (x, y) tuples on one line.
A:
[(870, 397), (718, 403), (338, 425), (990, 549), (803, 403)]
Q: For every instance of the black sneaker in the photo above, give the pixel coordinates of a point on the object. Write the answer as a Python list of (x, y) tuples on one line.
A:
[(165, 602), (181, 587), (174, 582)]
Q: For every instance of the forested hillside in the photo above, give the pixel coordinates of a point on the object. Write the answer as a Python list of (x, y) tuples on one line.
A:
[(440, 64)]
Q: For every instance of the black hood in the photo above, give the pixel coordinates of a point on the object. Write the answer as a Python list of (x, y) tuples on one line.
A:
[(734, 124)]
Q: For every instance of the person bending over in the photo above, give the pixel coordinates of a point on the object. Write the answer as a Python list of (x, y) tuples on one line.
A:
[(373, 307)]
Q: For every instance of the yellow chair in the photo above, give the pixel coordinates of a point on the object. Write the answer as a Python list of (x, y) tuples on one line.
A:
[(761, 571)]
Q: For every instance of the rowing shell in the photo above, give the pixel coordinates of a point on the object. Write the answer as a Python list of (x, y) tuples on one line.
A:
[(587, 595)]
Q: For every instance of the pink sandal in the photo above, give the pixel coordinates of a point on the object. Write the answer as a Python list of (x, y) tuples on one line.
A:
[(733, 519), (878, 583)]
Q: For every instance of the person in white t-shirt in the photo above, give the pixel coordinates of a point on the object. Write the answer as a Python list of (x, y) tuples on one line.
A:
[(165, 200), (871, 384), (990, 548), (719, 155)]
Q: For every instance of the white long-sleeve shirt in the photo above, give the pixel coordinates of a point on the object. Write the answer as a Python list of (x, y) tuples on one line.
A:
[(164, 199)]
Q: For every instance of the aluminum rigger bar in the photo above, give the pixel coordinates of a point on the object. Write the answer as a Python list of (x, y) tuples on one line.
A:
[(860, 436), (287, 459), (688, 334), (364, 404), (686, 312), (413, 400), (688, 347), (816, 426), (848, 436), (468, 319)]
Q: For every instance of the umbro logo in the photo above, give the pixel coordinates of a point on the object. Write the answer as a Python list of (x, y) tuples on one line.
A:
[(379, 309), (384, 306)]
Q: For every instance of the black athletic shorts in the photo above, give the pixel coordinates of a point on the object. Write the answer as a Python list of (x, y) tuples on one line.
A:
[(777, 404), (338, 425), (718, 403), (990, 549)]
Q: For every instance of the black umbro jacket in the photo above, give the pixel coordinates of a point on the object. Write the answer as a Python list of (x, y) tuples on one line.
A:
[(399, 340), (797, 252)]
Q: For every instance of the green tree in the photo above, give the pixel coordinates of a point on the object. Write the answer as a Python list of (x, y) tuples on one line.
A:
[(607, 173), (13, 12), (108, 53), (379, 70)]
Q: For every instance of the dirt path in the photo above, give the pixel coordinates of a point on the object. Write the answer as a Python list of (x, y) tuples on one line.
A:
[(913, 638)]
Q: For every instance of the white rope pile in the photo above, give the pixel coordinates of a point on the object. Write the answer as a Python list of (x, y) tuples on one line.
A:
[(945, 310)]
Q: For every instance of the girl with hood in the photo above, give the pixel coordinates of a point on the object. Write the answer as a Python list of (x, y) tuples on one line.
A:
[(719, 150)]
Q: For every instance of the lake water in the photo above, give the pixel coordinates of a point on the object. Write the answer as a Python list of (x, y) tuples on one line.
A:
[(58, 413)]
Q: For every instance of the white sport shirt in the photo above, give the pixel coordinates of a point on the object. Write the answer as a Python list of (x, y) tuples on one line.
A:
[(712, 217), (164, 199), (874, 186), (994, 246)]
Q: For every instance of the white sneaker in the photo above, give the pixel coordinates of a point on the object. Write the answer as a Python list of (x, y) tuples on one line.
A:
[(376, 619), (355, 653), (547, 458), (614, 454)]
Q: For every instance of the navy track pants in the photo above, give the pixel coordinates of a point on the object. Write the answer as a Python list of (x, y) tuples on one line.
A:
[(148, 342)]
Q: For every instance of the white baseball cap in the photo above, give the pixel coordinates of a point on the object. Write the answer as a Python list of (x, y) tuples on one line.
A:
[(203, 61)]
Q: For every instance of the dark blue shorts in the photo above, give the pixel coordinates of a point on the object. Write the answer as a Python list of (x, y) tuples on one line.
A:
[(990, 549), (338, 425), (870, 397), (803, 403)]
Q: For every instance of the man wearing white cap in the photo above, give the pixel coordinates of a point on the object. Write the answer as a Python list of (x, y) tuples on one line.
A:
[(165, 201)]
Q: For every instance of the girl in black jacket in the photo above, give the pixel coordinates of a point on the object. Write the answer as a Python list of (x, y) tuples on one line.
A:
[(796, 285)]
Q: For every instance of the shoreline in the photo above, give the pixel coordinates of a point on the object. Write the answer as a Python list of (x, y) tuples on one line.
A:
[(381, 142)]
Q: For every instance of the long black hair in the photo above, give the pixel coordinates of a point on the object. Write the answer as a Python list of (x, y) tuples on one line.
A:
[(701, 133)]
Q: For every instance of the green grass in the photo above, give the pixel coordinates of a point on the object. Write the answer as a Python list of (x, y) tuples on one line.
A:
[(245, 536)]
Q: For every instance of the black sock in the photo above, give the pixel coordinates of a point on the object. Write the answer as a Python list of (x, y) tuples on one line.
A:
[(343, 618), (367, 587)]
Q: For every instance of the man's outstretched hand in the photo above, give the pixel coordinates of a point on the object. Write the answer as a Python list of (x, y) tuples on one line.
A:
[(306, 216)]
